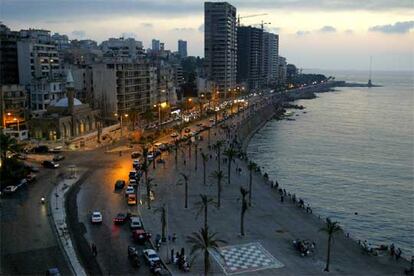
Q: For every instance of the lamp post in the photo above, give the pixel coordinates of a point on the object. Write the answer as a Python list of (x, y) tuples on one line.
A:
[(126, 116)]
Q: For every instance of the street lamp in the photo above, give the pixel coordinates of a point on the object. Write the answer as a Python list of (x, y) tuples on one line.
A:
[(126, 116)]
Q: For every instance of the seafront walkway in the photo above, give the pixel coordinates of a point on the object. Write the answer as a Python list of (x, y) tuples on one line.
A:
[(270, 225)]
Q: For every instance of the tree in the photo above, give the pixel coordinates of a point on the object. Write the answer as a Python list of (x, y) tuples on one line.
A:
[(163, 212), (331, 227), (204, 157), (151, 141), (195, 155), (244, 208), (189, 143), (205, 243), (251, 166), (184, 179), (148, 116), (176, 147), (149, 189), (217, 146), (218, 175), (8, 144), (202, 206), (230, 153), (179, 128)]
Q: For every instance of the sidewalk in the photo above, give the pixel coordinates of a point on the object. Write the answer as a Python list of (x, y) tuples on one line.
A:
[(57, 209)]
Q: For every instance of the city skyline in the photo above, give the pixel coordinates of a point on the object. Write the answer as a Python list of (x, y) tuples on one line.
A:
[(333, 41)]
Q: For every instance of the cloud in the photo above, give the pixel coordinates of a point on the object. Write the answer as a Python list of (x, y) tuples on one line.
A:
[(396, 28), (275, 30), (79, 34), (183, 29), (302, 33), (327, 29), (201, 28), (147, 25), (129, 35)]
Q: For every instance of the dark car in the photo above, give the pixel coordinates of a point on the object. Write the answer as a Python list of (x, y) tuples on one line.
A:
[(133, 256), (187, 130), (40, 149), (135, 155), (50, 164), (140, 236), (119, 184), (121, 218), (132, 174), (58, 157)]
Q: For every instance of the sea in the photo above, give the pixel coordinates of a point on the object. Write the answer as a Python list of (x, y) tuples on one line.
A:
[(350, 155)]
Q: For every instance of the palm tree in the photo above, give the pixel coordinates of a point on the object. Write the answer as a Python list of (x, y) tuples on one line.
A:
[(230, 153), (184, 179), (217, 146), (189, 149), (148, 116), (331, 227), (251, 166), (218, 175), (204, 157), (149, 189), (179, 128), (202, 206), (244, 208), (163, 212), (8, 144), (209, 135), (203, 242), (195, 155), (177, 145)]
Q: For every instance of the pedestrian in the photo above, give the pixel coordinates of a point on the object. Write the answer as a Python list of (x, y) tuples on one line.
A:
[(184, 162), (281, 198), (398, 254), (94, 250), (174, 237), (392, 250)]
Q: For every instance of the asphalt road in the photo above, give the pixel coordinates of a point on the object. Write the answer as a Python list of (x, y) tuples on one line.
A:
[(28, 243)]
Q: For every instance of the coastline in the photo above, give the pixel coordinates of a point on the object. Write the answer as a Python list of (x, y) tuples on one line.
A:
[(262, 117)]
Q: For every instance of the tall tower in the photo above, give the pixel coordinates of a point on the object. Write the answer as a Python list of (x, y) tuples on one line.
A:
[(182, 48), (220, 45)]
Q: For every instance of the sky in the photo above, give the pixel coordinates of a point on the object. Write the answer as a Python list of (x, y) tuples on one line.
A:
[(323, 34)]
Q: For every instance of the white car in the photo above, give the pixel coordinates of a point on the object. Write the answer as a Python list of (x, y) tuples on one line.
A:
[(150, 156), (135, 223), (151, 256), (10, 189), (133, 182), (96, 217), (129, 190), (135, 163)]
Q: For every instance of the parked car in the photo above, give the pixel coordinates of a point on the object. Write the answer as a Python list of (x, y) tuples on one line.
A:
[(150, 156), (135, 163), (40, 149), (135, 223), (58, 157), (120, 218), (119, 184), (140, 236), (135, 155), (132, 174), (133, 182), (129, 190), (132, 199), (174, 134), (10, 189), (31, 177), (199, 124), (151, 256), (187, 130), (21, 156), (54, 271), (96, 217), (50, 164)]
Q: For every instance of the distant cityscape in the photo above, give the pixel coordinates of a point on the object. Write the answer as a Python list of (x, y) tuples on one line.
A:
[(119, 76)]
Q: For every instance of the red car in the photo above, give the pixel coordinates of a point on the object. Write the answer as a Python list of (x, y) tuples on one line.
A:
[(140, 235), (121, 218)]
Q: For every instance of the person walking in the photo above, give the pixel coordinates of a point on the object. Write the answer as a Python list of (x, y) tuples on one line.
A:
[(94, 250)]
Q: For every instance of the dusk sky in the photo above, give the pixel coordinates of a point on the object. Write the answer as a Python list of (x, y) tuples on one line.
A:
[(324, 34)]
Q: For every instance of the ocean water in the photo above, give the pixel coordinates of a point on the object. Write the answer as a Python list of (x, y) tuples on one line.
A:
[(351, 152)]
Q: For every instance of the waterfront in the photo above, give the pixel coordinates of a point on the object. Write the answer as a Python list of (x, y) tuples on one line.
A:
[(351, 152)]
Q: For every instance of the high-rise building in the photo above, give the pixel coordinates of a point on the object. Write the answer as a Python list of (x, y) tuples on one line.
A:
[(270, 57), (250, 56), (220, 45), (9, 70), (155, 45), (282, 67), (182, 48), (61, 41), (122, 47)]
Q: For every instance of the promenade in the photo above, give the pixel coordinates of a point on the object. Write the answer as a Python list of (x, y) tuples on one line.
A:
[(270, 225)]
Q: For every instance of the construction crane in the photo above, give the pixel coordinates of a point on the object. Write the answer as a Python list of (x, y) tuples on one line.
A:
[(247, 16), (262, 24)]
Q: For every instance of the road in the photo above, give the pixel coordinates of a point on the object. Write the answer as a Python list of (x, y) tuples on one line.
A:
[(28, 243)]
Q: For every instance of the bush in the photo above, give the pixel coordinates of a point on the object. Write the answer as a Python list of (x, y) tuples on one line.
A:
[(12, 171)]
